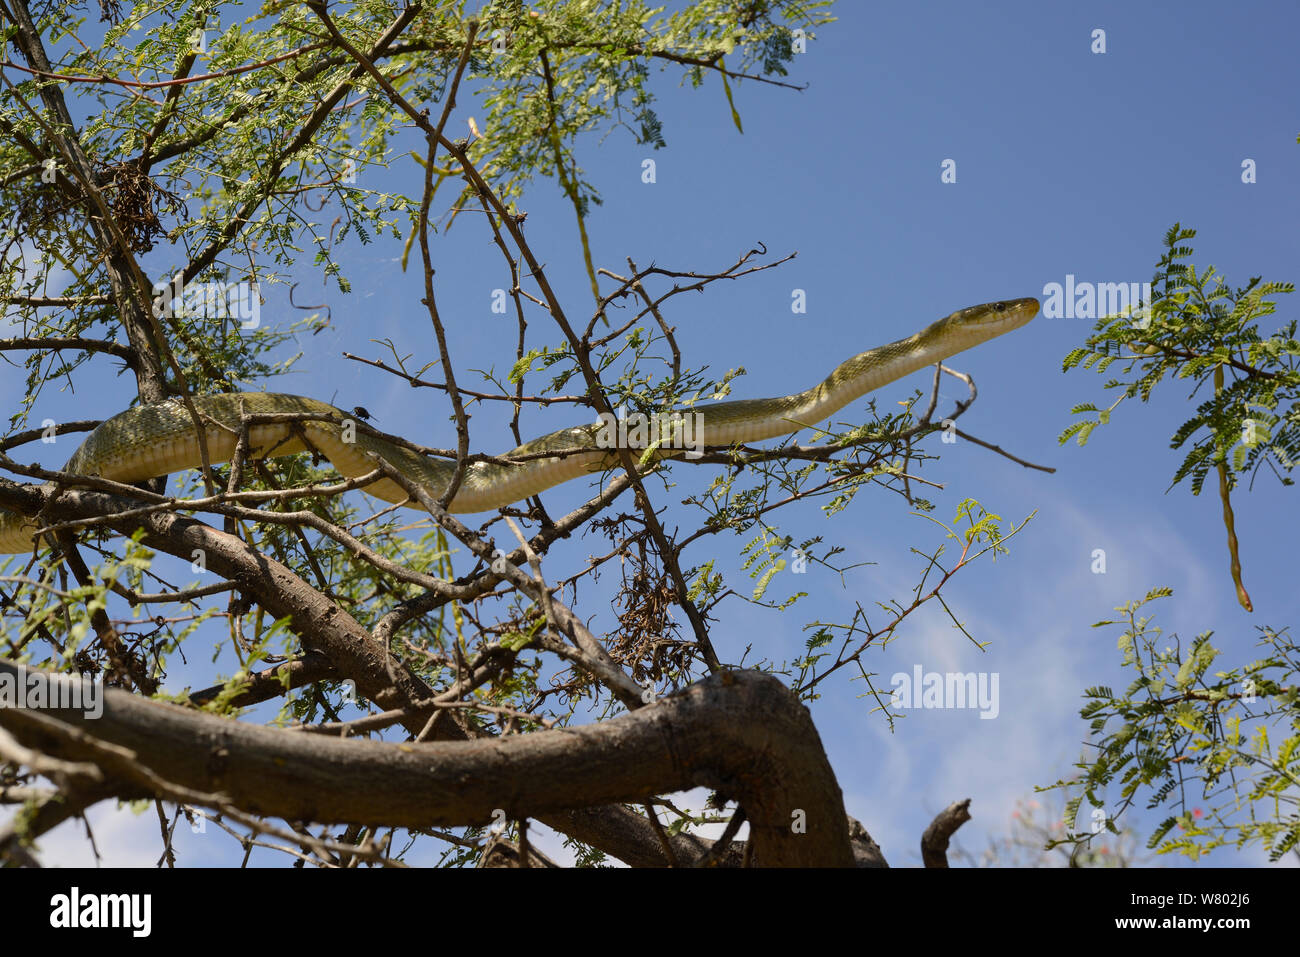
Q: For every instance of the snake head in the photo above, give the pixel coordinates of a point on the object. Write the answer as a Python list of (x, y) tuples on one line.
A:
[(975, 324), (998, 317)]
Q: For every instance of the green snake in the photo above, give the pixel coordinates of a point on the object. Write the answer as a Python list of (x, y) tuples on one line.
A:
[(160, 438)]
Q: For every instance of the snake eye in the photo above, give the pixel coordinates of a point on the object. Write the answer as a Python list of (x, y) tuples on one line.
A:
[(1000, 306)]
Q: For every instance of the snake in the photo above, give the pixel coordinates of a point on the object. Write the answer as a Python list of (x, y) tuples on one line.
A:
[(160, 438)]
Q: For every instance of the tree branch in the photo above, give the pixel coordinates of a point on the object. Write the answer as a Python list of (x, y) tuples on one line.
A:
[(742, 732), (934, 842)]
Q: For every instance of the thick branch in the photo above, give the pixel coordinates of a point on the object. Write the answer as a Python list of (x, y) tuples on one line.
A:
[(320, 623), (743, 733), (934, 842)]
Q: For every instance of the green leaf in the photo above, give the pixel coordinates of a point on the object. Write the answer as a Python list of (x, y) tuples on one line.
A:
[(735, 117), (766, 578)]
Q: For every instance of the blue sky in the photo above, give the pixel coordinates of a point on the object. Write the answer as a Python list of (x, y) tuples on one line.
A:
[(1067, 162)]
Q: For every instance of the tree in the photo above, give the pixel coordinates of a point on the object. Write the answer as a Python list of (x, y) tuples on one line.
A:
[(1182, 735), (249, 127)]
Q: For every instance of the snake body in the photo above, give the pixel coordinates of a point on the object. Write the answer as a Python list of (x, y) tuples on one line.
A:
[(160, 438)]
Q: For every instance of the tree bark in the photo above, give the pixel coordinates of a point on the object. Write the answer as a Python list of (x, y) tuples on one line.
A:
[(742, 733), (934, 842)]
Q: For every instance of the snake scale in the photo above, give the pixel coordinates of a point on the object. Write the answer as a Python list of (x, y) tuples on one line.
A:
[(160, 438)]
